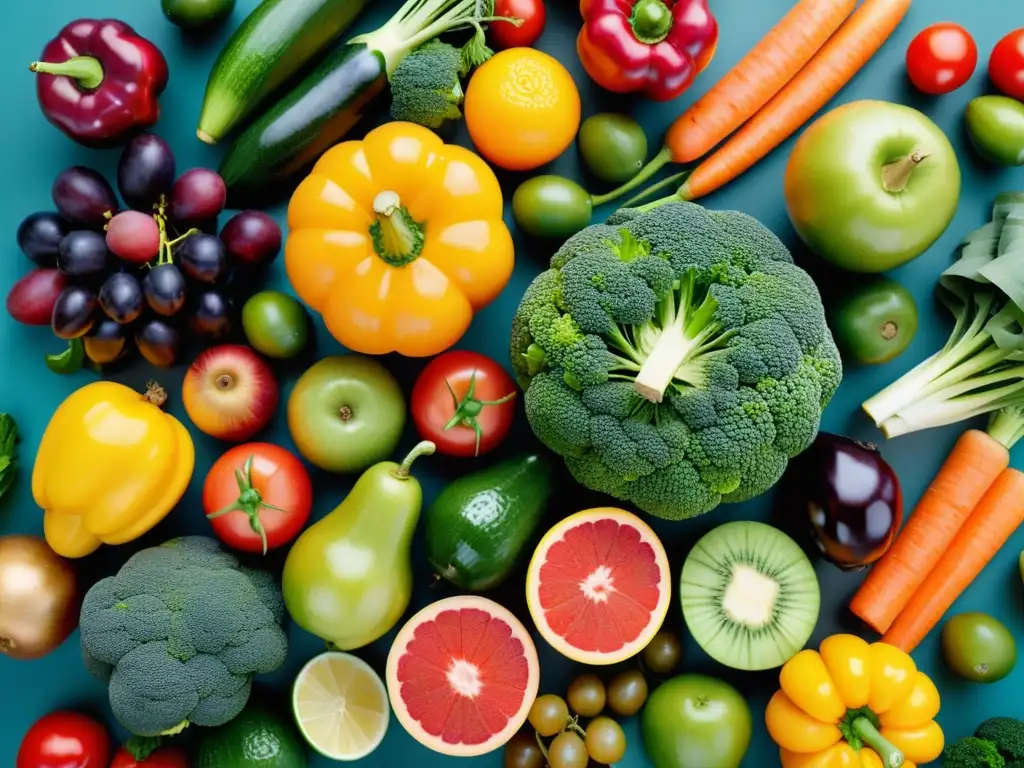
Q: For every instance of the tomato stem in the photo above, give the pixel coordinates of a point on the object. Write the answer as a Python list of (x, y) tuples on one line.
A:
[(469, 407), (422, 448), (250, 501)]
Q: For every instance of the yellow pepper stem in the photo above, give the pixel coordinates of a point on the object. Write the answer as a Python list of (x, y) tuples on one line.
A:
[(155, 394), (891, 756), (397, 238)]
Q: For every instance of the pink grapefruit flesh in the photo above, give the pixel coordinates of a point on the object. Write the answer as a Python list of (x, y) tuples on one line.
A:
[(598, 586), (462, 675)]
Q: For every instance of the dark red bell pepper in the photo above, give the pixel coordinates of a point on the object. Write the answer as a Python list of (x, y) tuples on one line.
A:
[(99, 81), (654, 46)]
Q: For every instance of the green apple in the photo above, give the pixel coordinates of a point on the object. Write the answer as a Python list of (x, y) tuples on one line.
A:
[(871, 185), (995, 125)]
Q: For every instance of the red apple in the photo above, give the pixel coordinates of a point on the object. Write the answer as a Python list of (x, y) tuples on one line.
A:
[(230, 392)]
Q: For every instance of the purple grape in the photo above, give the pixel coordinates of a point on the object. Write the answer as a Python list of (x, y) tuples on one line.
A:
[(74, 312), (121, 297), (39, 237), (252, 238), (106, 341), (164, 289), (83, 252), (210, 315), (83, 196), (159, 341), (203, 258), (197, 195), (145, 171)]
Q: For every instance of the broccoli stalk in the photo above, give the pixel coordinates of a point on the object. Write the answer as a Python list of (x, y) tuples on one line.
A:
[(980, 369), (684, 331)]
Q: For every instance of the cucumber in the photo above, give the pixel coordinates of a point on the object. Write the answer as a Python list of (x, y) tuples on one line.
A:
[(315, 115), (479, 525), (270, 46)]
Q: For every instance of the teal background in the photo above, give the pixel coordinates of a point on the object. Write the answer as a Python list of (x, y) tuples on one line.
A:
[(32, 152)]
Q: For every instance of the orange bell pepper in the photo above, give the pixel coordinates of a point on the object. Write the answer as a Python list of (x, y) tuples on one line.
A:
[(397, 240)]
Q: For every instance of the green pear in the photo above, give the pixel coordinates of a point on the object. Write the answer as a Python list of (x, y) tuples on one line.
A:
[(348, 577)]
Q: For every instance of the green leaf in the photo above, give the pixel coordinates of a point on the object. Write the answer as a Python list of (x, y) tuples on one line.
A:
[(68, 361), (8, 459)]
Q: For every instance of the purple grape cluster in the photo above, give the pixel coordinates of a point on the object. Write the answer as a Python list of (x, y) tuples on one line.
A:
[(143, 275)]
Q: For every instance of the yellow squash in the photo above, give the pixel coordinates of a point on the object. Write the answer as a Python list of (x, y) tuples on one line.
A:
[(854, 705), (110, 466)]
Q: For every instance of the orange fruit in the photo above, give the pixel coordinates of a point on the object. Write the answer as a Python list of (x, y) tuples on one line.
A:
[(522, 109)]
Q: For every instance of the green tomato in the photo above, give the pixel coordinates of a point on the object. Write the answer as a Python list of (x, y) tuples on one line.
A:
[(613, 146), (551, 206), (995, 125), (875, 322), (194, 14), (977, 647), (871, 185), (275, 324), (696, 721)]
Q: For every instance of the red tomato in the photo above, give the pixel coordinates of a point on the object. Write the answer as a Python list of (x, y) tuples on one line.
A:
[(506, 35), (464, 403), (1006, 65), (65, 740), (266, 505), (941, 58), (165, 757)]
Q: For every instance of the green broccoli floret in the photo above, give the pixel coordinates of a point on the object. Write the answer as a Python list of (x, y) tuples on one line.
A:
[(1007, 734), (972, 752), (675, 357), (179, 632)]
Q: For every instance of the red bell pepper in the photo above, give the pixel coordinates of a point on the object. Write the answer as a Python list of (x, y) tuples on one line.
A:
[(99, 81), (654, 46)]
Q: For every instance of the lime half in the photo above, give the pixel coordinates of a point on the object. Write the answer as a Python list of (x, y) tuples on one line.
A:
[(341, 706)]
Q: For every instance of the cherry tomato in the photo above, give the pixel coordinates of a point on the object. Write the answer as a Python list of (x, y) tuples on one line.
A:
[(1006, 65), (258, 497), (165, 757), (65, 740), (506, 35), (941, 58), (464, 403)]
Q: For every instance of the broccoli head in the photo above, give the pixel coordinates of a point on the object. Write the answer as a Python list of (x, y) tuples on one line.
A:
[(676, 357), (972, 752), (179, 632), (1007, 734)]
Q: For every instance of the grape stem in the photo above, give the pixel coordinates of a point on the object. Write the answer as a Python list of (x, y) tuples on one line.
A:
[(166, 253)]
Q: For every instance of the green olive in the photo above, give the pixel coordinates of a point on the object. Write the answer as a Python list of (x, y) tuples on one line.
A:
[(995, 126), (662, 654), (551, 206), (605, 740), (195, 14), (627, 692), (549, 714), (613, 146), (874, 322), (586, 695), (568, 751), (523, 751), (978, 647)]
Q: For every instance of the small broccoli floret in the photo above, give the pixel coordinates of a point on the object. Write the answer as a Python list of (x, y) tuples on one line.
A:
[(426, 86), (180, 631), (972, 752), (675, 357), (1007, 734)]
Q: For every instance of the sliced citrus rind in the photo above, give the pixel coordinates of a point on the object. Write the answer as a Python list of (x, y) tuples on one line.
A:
[(598, 586), (340, 706), (462, 675)]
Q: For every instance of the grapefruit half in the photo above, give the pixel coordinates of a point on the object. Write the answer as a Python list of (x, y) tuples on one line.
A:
[(462, 675), (598, 586)]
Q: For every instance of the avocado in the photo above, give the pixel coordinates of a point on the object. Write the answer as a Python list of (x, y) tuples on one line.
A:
[(479, 525)]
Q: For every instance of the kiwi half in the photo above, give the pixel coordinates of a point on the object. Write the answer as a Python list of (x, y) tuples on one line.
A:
[(750, 596)]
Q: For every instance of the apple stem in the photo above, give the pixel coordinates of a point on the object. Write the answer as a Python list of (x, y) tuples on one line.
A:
[(895, 176)]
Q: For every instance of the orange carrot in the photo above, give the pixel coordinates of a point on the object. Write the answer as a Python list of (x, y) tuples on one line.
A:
[(758, 76), (972, 466), (826, 74), (990, 525)]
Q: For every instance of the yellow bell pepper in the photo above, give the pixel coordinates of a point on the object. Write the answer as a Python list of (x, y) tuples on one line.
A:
[(110, 466), (397, 240), (854, 705)]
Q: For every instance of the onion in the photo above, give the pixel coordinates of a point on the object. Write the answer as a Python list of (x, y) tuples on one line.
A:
[(39, 598)]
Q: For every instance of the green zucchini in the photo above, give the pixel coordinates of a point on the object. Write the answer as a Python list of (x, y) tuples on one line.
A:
[(270, 46), (307, 122)]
